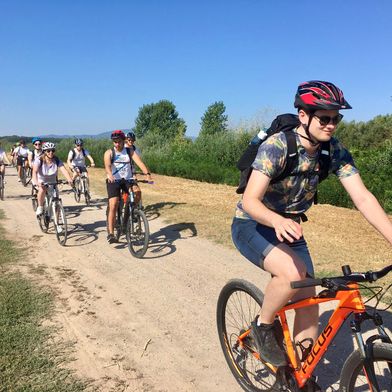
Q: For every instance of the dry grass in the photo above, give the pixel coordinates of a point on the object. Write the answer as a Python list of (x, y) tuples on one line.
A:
[(335, 235)]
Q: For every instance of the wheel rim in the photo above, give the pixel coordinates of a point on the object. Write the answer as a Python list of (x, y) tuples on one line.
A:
[(138, 233), (240, 310)]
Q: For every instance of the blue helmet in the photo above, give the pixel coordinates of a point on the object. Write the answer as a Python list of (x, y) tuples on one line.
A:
[(36, 139)]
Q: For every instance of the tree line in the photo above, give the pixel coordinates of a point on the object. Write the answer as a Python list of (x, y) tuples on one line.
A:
[(211, 157)]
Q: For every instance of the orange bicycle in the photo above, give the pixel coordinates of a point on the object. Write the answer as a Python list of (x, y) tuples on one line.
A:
[(368, 368)]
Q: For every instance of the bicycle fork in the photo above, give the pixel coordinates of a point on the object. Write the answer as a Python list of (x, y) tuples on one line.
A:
[(366, 348)]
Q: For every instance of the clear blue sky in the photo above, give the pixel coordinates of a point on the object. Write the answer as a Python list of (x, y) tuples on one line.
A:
[(87, 66)]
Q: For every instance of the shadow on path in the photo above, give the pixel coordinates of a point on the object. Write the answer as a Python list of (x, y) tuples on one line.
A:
[(162, 242)]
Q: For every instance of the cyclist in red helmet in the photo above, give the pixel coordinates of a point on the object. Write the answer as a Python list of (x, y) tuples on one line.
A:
[(267, 226), (118, 167)]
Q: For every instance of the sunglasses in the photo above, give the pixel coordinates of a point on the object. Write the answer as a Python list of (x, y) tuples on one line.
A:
[(118, 141), (79, 145), (51, 150), (37, 144), (325, 120)]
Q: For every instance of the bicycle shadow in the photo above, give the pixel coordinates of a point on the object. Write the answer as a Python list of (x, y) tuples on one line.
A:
[(84, 234), (330, 367), (75, 210), (153, 211), (161, 242)]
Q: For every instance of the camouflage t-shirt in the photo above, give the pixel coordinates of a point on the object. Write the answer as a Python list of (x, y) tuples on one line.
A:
[(294, 194)]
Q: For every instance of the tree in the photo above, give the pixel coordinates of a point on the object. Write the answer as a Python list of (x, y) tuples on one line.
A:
[(159, 120), (214, 120)]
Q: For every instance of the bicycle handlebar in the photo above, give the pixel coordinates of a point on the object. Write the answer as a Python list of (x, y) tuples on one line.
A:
[(342, 281)]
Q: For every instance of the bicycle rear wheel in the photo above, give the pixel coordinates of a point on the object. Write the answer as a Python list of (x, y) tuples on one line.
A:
[(353, 377), (138, 233), (43, 221), (238, 305), (77, 189), (60, 223), (1, 187)]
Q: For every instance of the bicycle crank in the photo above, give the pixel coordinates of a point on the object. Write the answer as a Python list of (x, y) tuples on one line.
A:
[(285, 380)]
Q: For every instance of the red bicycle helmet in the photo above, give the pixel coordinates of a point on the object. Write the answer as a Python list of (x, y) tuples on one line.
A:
[(118, 134), (318, 95)]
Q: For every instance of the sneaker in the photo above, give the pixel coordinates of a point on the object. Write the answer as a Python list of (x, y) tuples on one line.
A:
[(19, 180), (111, 239), (39, 210), (267, 345)]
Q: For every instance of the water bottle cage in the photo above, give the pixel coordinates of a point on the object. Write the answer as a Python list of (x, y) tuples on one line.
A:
[(305, 350)]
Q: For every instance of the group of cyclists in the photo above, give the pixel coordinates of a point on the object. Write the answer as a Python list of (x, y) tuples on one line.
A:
[(119, 163)]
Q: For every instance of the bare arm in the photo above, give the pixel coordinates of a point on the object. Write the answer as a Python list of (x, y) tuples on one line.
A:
[(285, 228), (69, 161), (65, 173), (107, 158), (136, 158), (34, 177), (368, 205), (90, 158)]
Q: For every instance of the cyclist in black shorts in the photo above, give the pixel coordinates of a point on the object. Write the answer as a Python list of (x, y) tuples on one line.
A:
[(118, 166)]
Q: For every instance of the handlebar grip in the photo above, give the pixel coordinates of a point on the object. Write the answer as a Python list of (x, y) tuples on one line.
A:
[(306, 283)]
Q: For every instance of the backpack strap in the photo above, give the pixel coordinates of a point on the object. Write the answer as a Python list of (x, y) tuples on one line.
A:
[(73, 154), (291, 156), (324, 160)]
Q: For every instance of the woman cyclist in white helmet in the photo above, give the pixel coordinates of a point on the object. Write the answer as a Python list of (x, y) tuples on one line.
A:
[(45, 170)]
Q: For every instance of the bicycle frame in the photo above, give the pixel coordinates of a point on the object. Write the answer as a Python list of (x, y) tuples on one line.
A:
[(350, 301)]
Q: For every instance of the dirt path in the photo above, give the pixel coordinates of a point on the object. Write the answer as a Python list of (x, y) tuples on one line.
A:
[(137, 325)]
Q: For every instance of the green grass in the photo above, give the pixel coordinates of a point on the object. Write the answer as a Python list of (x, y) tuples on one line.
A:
[(30, 358)]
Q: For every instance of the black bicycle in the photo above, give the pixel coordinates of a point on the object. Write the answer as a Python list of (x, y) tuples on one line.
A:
[(131, 221), (54, 211)]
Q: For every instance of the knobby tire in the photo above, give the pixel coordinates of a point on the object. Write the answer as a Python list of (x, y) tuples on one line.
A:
[(238, 305), (77, 189), (60, 221), (138, 233), (1, 187), (352, 377)]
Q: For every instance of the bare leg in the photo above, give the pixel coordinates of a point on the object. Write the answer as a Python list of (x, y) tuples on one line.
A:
[(286, 267), (113, 204)]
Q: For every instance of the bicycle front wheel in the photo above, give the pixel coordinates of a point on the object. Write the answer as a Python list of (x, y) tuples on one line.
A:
[(34, 201), (23, 176), (138, 233), (353, 377), (77, 189), (1, 187), (238, 305), (60, 223), (87, 196)]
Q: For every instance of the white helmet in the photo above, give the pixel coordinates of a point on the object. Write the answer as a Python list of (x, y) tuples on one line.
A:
[(48, 146)]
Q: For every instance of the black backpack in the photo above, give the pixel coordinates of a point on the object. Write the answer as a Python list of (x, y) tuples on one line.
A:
[(74, 153), (283, 123)]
